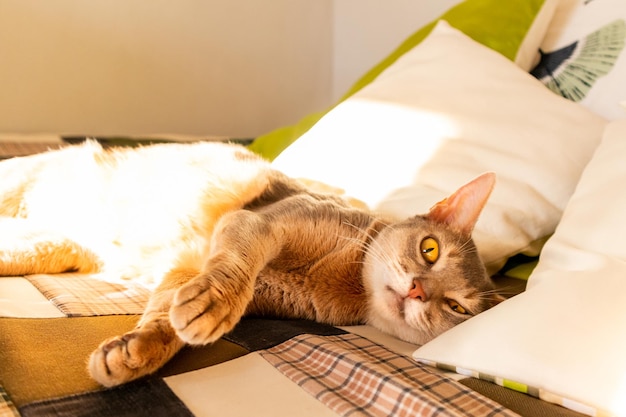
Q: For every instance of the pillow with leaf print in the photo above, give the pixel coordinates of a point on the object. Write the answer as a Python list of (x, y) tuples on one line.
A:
[(583, 56)]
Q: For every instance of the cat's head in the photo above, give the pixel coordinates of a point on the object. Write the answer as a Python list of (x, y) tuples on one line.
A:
[(423, 275)]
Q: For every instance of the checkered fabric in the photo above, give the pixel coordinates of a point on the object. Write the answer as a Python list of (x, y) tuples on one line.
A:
[(354, 376), (83, 295)]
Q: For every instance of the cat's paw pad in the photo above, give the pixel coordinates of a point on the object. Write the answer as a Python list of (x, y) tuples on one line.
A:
[(125, 358), (201, 313)]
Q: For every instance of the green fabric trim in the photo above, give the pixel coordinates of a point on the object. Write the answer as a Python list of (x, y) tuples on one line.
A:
[(522, 271), (272, 144), (516, 386)]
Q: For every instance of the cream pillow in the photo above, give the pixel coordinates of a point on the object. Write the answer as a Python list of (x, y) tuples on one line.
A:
[(564, 339), (445, 112)]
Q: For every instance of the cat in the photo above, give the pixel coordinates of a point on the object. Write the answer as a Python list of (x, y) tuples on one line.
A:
[(218, 234)]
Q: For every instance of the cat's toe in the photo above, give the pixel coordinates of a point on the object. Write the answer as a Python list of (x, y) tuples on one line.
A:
[(133, 355), (112, 363), (201, 315)]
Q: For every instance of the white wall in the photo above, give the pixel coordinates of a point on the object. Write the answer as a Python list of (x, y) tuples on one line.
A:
[(224, 67), (236, 68), (365, 31)]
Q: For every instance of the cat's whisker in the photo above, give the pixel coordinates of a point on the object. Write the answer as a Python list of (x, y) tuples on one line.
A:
[(365, 247), (488, 294), (350, 224), (381, 239), (497, 290), (380, 256), (384, 223), (373, 246), (359, 242), (381, 248), (467, 247), (364, 243), (370, 241), (501, 291), (427, 323)]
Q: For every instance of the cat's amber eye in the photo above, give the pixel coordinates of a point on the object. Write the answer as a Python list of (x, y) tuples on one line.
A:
[(456, 307), (429, 248)]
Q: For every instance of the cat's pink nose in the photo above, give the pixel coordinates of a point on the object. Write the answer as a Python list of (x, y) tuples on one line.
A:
[(417, 291)]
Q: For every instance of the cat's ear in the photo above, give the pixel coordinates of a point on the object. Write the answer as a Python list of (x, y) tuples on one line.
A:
[(461, 210)]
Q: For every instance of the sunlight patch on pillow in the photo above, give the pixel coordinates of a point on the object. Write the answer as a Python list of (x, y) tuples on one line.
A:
[(370, 179)]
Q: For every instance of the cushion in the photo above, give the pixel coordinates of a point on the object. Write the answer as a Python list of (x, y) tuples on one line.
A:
[(445, 112), (583, 57), (515, 30), (563, 339)]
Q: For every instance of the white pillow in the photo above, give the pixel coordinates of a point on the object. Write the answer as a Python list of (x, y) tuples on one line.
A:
[(584, 56), (564, 339), (445, 112)]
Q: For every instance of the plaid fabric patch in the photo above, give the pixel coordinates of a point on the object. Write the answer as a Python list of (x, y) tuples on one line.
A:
[(355, 376), (7, 409), (79, 295)]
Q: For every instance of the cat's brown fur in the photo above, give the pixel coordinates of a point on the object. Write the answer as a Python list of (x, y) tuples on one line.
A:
[(219, 234)]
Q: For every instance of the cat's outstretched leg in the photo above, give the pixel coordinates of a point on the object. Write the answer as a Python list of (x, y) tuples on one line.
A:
[(146, 348), (191, 306), (212, 303)]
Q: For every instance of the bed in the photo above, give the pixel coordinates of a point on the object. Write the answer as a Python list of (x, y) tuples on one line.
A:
[(265, 366), (454, 100)]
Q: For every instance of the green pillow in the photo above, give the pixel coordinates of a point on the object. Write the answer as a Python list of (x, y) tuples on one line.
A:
[(500, 25)]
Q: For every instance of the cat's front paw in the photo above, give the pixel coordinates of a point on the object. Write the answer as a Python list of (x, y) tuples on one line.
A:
[(202, 313), (133, 355)]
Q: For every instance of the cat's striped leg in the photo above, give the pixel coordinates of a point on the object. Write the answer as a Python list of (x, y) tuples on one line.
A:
[(149, 346), (212, 303)]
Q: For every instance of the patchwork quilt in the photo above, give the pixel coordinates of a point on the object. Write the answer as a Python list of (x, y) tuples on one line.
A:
[(44, 373), (264, 367)]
